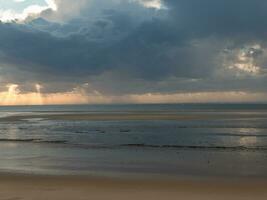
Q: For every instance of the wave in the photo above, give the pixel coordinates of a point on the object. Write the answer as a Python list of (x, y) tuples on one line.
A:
[(18, 140), (138, 145), (240, 135), (222, 127), (173, 147), (33, 140), (234, 148), (54, 141)]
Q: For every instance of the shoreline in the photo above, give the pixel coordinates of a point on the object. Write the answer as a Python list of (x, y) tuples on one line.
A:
[(132, 116), (25, 186)]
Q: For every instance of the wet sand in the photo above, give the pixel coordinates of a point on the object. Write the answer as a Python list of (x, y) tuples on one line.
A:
[(35, 187)]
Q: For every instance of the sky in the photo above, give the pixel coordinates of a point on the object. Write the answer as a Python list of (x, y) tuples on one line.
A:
[(132, 51)]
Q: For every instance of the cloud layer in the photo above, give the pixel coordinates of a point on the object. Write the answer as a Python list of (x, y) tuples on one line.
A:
[(138, 47)]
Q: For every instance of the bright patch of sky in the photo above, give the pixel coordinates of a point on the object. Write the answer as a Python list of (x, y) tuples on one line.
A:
[(19, 9), (20, 5), (156, 4)]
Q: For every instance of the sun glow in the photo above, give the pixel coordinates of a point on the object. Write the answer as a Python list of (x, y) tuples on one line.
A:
[(14, 96)]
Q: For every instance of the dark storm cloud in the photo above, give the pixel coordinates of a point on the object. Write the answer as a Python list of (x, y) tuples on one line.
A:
[(151, 48), (227, 17)]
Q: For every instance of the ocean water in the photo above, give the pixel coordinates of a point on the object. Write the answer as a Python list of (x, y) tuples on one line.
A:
[(200, 147)]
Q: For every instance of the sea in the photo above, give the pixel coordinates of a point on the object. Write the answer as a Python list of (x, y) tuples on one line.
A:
[(219, 147)]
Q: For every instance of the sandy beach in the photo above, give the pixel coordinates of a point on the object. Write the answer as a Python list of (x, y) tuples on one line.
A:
[(36, 187)]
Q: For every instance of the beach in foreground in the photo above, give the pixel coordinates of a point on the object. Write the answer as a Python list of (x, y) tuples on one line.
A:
[(31, 187), (134, 153)]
